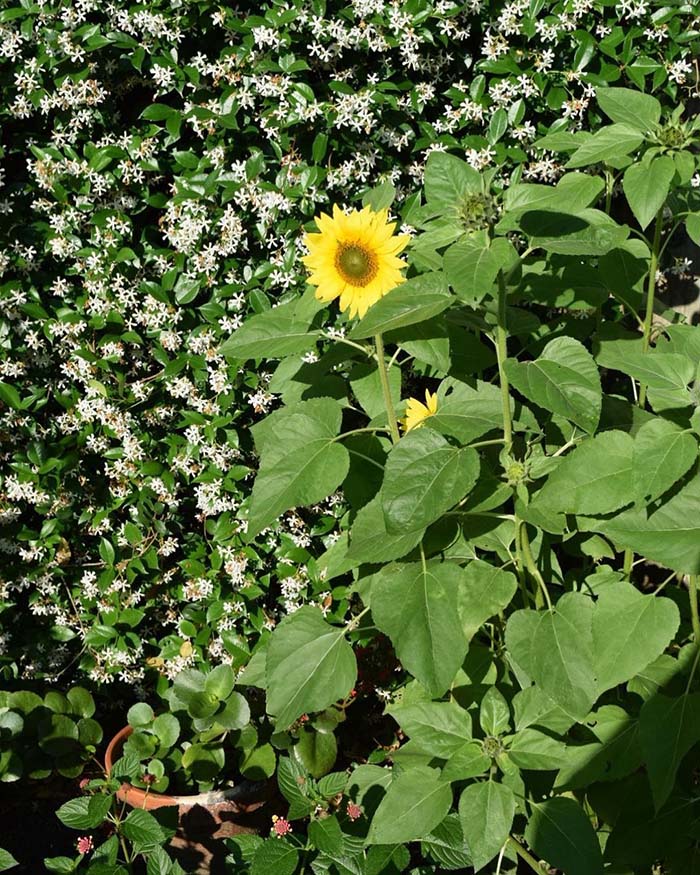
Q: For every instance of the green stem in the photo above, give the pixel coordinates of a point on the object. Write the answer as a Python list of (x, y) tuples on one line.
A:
[(525, 855), (533, 569), (486, 443), (355, 621), (651, 291), (627, 563), (519, 566), (360, 431), (695, 617), (502, 355), (384, 377)]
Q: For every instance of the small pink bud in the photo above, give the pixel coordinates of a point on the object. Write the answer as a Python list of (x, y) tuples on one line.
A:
[(280, 826), (354, 811), (85, 844), (83, 783)]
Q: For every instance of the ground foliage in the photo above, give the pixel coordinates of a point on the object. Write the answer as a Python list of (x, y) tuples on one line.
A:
[(198, 465)]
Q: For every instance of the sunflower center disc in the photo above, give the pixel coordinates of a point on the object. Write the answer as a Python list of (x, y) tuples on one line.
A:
[(354, 262)]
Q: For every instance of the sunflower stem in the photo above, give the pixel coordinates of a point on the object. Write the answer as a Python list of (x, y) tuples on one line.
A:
[(502, 355), (384, 377)]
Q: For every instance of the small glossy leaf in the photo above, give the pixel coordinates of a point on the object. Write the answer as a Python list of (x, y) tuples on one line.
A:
[(275, 855)]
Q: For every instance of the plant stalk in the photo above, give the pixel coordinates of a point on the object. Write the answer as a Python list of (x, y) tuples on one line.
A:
[(502, 355), (386, 389), (651, 292), (531, 566), (694, 615), (525, 855)]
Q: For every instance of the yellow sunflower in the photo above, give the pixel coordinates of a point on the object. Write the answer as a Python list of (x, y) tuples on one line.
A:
[(417, 412), (355, 258)]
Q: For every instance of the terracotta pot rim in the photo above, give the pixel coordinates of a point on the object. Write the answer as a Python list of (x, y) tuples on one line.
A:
[(139, 798)]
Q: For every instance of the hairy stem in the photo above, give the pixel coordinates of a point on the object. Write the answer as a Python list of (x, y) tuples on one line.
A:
[(533, 569), (502, 355), (651, 292), (694, 615), (525, 855), (384, 377)]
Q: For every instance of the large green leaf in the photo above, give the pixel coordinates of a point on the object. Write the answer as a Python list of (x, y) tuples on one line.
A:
[(424, 477), (615, 753), (588, 232), (472, 264), (448, 179), (646, 187), (666, 374), (595, 478), (560, 832), (629, 631), (370, 541), (414, 301), (573, 192), (469, 412), (630, 107), (437, 728), (486, 811), (669, 534), (561, 658), (532, 749), (272, 334), (303, 466), (309, 666), (668, 729), (415, 606), (663, 453), (483, 592), (416, 801), (611, 142), (366, 385), (564, 380)]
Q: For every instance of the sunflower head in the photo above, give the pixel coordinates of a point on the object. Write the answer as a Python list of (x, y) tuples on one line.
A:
[(417, 412), (354, 257)]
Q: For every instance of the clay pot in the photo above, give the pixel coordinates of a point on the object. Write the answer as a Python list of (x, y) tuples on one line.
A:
[(204, 818)]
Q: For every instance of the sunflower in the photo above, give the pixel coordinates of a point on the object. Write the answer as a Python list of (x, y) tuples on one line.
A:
[(355, 258), (417, 412)]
